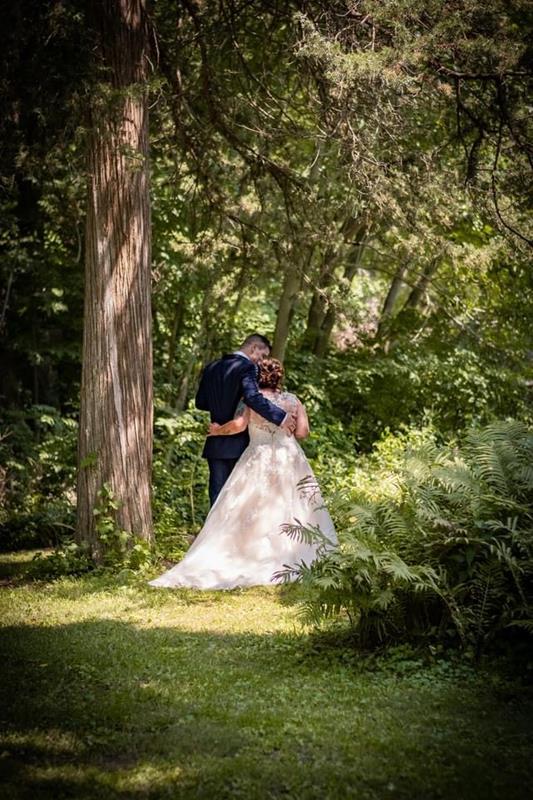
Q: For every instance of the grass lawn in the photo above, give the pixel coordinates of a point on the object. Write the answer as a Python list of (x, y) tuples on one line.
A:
[(116, 689)]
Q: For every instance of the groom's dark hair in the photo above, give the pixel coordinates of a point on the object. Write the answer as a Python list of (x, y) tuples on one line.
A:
[(256, 338)]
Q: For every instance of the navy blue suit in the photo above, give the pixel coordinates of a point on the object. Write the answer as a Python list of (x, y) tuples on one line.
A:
[(223, 383)]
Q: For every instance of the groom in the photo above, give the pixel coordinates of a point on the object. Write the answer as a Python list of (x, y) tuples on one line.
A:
[(223, 383)]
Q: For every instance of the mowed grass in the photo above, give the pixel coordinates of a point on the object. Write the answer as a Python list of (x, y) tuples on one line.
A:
[(120, 690)]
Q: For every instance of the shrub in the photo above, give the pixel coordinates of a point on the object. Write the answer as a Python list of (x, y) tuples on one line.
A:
[(444, 552), (38, 458), (180, 500), (368, 391), (66, 559)]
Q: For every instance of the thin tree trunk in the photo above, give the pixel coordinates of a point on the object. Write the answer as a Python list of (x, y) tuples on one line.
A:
[(322, 312), (175, 333), (115, 437), (321, 316), (181, 398), (390, 300), (292, 285), (407, 315), (324, 335), (202, 342), (319, 302), (419, 289), (330, 317), (241, 289)]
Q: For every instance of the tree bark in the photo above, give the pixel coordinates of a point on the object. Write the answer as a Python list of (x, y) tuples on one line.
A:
[(175, 332), (319, 302), (390, 300), (419, 289), (322, 314), (292, 285), (116, 414)]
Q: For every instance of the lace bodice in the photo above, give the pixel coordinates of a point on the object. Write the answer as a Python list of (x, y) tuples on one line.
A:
[(264, 432)]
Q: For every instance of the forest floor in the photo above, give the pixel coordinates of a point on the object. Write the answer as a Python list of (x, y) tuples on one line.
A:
[(114, 689)]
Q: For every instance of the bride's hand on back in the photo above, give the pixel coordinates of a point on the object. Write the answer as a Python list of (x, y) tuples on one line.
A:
[(302, 423), (289, 423)]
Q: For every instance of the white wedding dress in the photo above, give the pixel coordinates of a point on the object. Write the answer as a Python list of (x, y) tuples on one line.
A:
[(241, 542)]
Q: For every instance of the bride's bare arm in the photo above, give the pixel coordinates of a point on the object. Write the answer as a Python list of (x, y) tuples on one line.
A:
[(302, 422), (236, 425)]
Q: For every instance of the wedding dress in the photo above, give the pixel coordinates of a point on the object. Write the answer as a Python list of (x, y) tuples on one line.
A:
[(241, 542)]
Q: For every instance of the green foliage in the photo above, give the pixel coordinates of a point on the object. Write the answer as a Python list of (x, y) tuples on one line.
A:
[(380, 594), (119, 548), (261, 156), (445, 551), (38, 457), (68, 558), (38, 481), (180, 477), (360, 394)]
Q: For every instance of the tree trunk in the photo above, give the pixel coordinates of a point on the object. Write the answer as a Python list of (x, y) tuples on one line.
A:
[(324, 334), (419, 289), (390, 300), (115, 438), (330, 317), (319, 301), (292, 285), (175, 332), (240, 288), (409, 315), (321, 316), (202, 343), (322, 312)]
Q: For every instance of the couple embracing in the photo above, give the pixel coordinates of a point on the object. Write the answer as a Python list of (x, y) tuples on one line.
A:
[(255, 467)]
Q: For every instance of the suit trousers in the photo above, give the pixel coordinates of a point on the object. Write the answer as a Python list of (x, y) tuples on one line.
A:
[(219, 471)]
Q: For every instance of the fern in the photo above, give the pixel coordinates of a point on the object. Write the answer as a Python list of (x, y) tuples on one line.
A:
[(450, 549)]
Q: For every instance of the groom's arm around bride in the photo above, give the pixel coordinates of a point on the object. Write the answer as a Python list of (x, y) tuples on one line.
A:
[(223, 383)]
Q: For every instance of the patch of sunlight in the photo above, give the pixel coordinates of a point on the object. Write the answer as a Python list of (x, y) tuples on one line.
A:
[(143, 777), (52, 742), (146, 777), (248, 610), (257, 609), (23, 556)]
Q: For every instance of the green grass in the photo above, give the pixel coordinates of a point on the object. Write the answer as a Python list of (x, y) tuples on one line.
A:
[(120, 690)]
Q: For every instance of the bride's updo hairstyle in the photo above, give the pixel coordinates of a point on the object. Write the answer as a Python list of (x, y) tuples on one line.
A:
[(270, 374)]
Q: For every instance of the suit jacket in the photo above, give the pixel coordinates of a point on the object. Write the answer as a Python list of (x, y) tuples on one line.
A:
[(222, 385)]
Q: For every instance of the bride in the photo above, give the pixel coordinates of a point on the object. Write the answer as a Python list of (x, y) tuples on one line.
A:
[(242, 542)]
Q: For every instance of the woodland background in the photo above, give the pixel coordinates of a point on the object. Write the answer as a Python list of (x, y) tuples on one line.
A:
[(351, 178)]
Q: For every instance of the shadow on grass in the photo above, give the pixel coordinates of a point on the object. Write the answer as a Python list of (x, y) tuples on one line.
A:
[(106, 709)]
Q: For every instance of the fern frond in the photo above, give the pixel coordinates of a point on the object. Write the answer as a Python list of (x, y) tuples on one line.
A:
[(526, 624)]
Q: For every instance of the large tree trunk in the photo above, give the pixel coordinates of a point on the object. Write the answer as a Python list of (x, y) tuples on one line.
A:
[(115, 439)]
